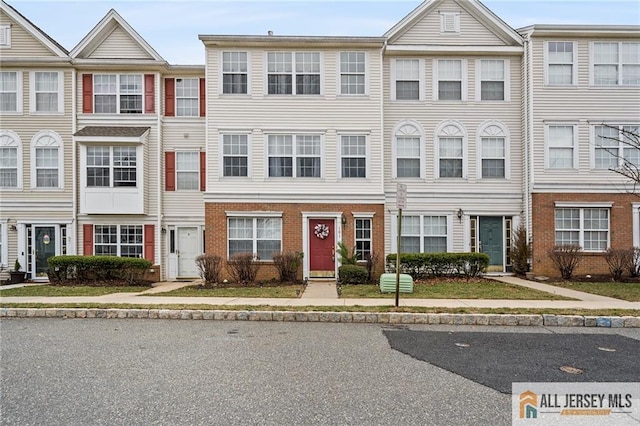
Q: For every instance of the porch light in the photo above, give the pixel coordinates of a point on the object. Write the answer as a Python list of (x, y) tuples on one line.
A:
[(460, 213)]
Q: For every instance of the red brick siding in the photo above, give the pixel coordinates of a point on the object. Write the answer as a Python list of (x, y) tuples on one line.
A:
[(543, 230), (216, 227)]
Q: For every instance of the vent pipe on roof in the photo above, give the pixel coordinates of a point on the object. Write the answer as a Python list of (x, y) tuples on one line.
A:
[(270, 32)]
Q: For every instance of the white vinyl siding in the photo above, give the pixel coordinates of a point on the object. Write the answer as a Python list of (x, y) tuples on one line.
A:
[(561, 63), (235, 73), (561, 146), (616, 64), (256, 235), (585, 227), (10, 92), (353, 67), (187, 97), (47, 95), (293, 73)]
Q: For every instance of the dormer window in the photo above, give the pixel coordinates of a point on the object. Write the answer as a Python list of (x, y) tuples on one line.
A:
[(450, 22)]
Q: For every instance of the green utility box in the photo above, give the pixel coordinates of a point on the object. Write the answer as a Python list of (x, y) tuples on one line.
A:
[(388, 283)]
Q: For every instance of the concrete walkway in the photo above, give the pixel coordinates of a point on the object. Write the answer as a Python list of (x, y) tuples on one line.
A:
[(323, 293)]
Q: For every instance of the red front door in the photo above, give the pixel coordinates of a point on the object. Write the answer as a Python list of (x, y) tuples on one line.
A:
[(322, 260)]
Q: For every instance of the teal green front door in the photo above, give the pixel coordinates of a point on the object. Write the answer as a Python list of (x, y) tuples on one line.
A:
[(44, 244), (492, 241)]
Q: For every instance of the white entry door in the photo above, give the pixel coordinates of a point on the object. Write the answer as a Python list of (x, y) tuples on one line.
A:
[(188, 248)]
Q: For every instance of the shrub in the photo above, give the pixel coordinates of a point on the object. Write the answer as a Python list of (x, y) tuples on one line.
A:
[(347, 258), (97, 270), (243, 267), (209, 267), (634, 266), (618, 261), (372, 260), (287, 264), (520, 251), (424, 265), (566, 258), (352, 274)]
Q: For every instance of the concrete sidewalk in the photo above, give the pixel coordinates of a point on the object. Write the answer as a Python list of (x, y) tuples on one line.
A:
[(323, 293)]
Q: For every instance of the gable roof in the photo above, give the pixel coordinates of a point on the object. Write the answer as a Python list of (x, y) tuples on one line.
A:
[(474, 7), (46, 40), (101, 31)]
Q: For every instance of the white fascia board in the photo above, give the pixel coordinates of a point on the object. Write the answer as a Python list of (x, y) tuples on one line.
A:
[(417, 48)]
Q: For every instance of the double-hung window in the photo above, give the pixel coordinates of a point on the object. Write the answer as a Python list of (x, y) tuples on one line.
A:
[(187, 97), (408, 152), (353, 156), (117, 93), (235, 155), (10, 160), (118, 240), (407, 79), (560, 63), (47, 91), (302, 150), (616, 64), (261, 236), (450, 80), (293, 73), (616, 146), (234, 72), (492, 80), (111, 166), (188, 170), (352, 73), (493, 148), (451, 152), (363, 237), (47, 168), (10, 91), (424, 234), (585, 227), (560, 146)]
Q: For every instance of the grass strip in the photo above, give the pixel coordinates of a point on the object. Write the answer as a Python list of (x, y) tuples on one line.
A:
[(624, 291), (63, 291)]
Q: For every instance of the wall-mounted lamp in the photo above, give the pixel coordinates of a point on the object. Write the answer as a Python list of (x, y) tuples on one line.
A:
[(164, 230), (12, 228), (344, 219), (459, 214)]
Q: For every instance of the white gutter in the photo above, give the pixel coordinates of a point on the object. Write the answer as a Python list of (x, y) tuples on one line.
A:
[(529, 120), (382, 133), (74, 185), (158, 230)]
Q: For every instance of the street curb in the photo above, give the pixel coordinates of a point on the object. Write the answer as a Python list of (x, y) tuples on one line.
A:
[(334, 317)]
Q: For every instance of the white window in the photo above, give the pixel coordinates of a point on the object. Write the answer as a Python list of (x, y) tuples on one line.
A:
[(352, 73), (10, 160), (261, 236), (117, 94), (450, 75), (616, 146), (118, 240), (561, 69), (286, 68), (10, 91), (187, 97), (406, 84), (47, 92), (493, 151), (451, 151), (616, 64), (353, 149), (450, 22), (188, 170), (424, 234), (585, 227), (408, 140), (47, 169), (494, 77), (561, 146), (364, 231), (5, 36), (112, 166), (302, 150), (235, 155), (234, 73)]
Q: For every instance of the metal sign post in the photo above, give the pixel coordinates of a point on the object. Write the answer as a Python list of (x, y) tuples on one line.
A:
[(401, 203)]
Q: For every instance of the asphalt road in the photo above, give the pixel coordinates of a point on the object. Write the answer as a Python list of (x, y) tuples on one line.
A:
[(170, 372)]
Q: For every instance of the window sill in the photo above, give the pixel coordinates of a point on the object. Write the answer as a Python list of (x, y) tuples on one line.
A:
[(39, 113), (563, 171), (560, 86), (57, 189), (15, 113)]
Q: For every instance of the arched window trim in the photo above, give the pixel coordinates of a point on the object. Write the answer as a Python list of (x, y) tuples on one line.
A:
[(54, 141), (400, 130), (487, 129), (445, 129), (11, 139)]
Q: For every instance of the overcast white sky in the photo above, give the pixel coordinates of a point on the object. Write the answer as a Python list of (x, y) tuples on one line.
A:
[(172, 27)]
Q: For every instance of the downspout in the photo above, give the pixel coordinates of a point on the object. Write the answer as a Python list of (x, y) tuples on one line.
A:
[(159, 216), (525, 131), (530, 141), (74, 166), (382, 144)]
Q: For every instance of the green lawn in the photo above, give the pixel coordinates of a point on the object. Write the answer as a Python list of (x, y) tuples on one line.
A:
[(454, 290), (285, 291), (624, 291), (49, 291)]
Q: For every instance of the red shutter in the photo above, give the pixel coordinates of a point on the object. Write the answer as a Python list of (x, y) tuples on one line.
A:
[(87, 93), (87, 240), (203, 105), (149, 94), (149, 243), (170, 171), (203, 171), (169, 97)]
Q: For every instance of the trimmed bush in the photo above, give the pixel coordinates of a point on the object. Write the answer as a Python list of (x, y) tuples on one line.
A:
[(98, 270), (243, 267), (425, 265), (566, 258), (352, 274), (287, 263), (209, 267)]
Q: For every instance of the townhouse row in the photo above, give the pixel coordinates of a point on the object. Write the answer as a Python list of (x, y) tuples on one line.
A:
[(281, 143)]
